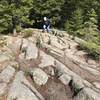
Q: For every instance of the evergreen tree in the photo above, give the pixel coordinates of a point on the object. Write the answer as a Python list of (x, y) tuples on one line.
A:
[(75, 23), (13, 13), (49, 8), (90, 30)]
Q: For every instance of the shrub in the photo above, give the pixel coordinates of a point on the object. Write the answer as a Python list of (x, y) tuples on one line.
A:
[(38, 42), (92, 49), (27, 33)]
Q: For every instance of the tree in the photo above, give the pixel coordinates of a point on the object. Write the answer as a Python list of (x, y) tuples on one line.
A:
[(13, 13), (49, 8), (90, 30), (75, 23)]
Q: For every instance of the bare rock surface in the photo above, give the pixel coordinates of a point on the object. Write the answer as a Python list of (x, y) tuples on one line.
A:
[(31, 49), (7, 74), (91, 70), (3, 88), (87, 94), (22, 90), (46, 60), (4, 58), (54, 70), (97, 85), (14, 44), (65, 79)]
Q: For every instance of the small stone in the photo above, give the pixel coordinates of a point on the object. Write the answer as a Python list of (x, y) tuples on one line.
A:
[(77, 82)]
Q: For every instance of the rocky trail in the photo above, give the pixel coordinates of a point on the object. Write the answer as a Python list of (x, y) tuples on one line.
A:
[(46, 67)]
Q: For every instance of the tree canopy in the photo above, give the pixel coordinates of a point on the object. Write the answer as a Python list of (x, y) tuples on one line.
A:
[(14, 14)]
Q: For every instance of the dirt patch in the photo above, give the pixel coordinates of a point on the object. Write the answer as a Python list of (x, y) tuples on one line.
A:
[(55, 90)]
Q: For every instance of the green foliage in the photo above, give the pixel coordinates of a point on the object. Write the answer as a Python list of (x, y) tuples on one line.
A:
[(49, 8), (75, 23), (27, 33), (92, 49), (27, 72), (38, 42), (13, 13), (90, 29)]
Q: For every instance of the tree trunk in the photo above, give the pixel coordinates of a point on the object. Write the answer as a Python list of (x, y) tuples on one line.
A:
[(14, 32)]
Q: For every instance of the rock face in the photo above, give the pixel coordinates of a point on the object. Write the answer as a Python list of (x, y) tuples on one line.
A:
[(4, 58), (46, 60), (56, 70), (7, 74), (3, 88), (31, 49), (39, 76), (23, 92), (91, 70), (87, 94), (97, 85), (11, 41)]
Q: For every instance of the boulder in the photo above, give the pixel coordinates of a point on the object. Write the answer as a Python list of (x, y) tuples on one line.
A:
[(32, 51), (39, 76), (65, 79)]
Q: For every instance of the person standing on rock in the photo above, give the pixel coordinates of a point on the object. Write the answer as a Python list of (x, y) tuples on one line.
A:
[(46, 24)]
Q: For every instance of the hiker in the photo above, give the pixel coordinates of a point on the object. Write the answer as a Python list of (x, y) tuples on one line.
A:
[(46, 24)]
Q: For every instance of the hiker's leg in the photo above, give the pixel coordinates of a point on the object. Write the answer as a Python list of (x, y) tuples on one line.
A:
[(48, 28), (44, 28)]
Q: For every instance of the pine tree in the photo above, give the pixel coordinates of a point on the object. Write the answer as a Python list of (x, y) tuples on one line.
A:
[(75, 23), (13, 13), (90, 30), (48, 8)]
